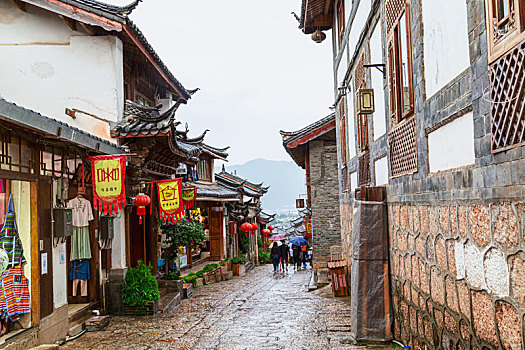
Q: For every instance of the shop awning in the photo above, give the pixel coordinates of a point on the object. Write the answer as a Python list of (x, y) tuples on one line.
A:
[(28, 119)]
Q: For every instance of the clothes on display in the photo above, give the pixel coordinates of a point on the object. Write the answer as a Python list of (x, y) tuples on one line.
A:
[(9, 240), (82, 215), (79, 274), (14, 293), (81, 211), (14, 296), (80, 244)]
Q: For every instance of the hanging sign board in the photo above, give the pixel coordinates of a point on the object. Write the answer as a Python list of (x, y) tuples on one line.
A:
[(171, 206), (309, 229), (189, 197), (108, 173)]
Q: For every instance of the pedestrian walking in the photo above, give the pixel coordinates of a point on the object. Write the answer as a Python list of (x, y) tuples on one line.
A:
[(297, 257), (290, 245), (284, 252), (274, 252), (303, 255)]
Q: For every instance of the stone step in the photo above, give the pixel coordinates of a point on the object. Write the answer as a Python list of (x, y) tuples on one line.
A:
[(169, 302), (45, 347)]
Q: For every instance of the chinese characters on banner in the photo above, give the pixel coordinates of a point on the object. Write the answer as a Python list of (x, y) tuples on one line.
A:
[(108, 173), (189, 197), (309, 229), (171, 206)]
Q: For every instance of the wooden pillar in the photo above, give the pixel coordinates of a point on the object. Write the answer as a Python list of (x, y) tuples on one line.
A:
[(35, 263)]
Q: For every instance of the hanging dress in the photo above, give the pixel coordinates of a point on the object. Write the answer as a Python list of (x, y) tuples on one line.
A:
[(9, 238)]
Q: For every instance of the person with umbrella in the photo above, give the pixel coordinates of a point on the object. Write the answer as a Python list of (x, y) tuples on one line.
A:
[(298, 254), (274, 252), (284, 252)]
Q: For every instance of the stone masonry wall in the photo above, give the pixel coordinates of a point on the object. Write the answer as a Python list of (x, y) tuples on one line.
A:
[(458, 273), (325, 200)]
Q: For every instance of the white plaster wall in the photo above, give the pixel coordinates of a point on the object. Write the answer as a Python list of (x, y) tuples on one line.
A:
[(351, 121), (353, 181), (342, 68), (59, 269), (118, 246), (18, 27), (47, 67), (359, 21), (381, 171), (376, 56), (452, 145), (446, 49)]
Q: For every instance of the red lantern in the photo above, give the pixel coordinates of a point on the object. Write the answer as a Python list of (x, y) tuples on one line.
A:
[(141, 201), (266, 232), (246, 227), (255, 227), (271, 228)]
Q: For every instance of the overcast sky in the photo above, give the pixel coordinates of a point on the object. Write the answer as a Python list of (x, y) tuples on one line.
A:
[(257, 72)]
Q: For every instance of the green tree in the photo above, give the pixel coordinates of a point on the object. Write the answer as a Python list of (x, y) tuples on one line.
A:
[(184, 233)]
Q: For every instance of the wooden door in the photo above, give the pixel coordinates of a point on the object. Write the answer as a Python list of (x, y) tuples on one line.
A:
[(46, 251), (216, 236)]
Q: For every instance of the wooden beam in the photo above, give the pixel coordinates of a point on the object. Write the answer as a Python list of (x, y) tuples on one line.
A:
[(327, 7), (91, 30), (71, 23), (19, 4), (35, 254), (323, 21)]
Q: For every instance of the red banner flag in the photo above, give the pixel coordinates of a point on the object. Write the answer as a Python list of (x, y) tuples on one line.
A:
[(189, 197), (109, 191), (171, 206)]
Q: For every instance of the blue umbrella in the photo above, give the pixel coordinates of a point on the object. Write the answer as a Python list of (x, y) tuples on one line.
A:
[(298, 241)]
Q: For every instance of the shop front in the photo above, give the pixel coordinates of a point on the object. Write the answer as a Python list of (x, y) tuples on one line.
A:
[(52, 243)]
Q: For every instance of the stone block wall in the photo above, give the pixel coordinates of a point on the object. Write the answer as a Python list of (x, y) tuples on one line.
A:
[(458, 274), (324, 196)]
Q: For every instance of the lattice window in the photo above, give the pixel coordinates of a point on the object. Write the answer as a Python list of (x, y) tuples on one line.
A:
[(507, 95), (393, 9), (403, 148), (345, 183), (364, 169), (360, 73)]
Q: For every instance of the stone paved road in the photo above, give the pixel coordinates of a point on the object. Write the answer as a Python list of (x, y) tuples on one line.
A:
[(256, 311)]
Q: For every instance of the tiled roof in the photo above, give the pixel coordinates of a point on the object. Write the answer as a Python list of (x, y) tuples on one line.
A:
[(305, 212), (103, 8), (214, 190), (290, 136), (294, 141), (266, 218), (235, 182), (30, 119), (297, 222), (145, 121)]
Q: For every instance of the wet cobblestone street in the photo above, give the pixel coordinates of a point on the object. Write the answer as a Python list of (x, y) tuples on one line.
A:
[(257, 311)]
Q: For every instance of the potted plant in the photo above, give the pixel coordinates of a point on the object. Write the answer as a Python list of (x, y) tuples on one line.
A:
[(185, 233), (238, 265), (141, 291), (190, 281), (264, 258), (172, 281)]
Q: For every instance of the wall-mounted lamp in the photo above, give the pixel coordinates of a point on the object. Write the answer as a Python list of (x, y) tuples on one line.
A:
[(318, 36), (365, 101), (342, 89)]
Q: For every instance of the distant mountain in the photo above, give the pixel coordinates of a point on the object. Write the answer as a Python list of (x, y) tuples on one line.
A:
[(285, 178)]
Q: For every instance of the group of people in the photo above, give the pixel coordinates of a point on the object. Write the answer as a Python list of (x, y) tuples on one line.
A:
[(283, 254)]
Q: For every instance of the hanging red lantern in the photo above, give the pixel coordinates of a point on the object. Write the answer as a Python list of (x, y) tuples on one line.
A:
[(246, 227), (266, 232), (141, 201), (271, 228), (255, 227)]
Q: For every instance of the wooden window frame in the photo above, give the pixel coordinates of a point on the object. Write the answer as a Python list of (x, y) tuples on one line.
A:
[(341, 21), (343, 132), (204, 170), (498, 46), (394, 66)]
